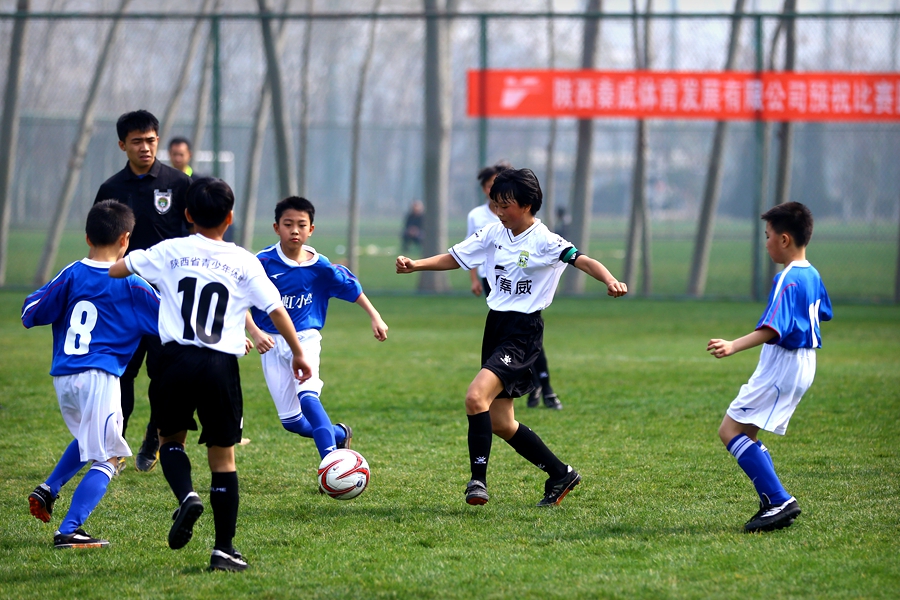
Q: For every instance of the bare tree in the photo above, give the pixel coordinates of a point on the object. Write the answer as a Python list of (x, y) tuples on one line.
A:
[(302, 182), (76, 160), (284, 149), (713, 189), (437, 144), (184, 78), (353, 222), (549, 196), (582, 186), (9, 129)]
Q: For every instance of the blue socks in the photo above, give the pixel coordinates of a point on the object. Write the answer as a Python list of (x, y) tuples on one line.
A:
[(87, 496), (66, 468), (300, 425), (322, 429), (753, 458)]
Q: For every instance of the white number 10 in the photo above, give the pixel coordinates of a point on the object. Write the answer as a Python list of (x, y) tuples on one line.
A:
[(78, 337)]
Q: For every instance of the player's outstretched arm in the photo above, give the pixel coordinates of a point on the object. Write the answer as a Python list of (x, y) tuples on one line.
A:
[(263, 340), (379, 327), (285, 327), (722, 348), (119, 270), (439, 262), (595, 269)]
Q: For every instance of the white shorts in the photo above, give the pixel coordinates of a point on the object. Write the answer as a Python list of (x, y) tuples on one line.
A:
[(276, 366), (781, 378), (91, 406)]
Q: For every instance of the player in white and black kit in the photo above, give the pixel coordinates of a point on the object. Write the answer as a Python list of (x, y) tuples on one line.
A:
[(525, 261), (206, 285)]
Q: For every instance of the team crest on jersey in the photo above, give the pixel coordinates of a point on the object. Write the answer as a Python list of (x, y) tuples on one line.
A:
[(162, 200), (523, 259)]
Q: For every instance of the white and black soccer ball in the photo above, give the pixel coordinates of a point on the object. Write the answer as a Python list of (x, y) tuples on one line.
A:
[(343, 474)]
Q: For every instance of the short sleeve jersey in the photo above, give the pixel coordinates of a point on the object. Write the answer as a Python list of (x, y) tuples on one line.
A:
[(206, 287), (97, 321), (479, 217), (524, 270), (305, 287), (797, 304)]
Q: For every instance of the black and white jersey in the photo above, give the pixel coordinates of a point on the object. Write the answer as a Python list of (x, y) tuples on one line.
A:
[(206, 288), (523, 270)]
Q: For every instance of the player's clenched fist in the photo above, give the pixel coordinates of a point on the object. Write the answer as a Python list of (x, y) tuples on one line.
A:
[(405, 265), (719, 348), (616, 289)]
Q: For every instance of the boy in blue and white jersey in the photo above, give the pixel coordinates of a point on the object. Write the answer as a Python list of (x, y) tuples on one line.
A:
[(306, 281), (789, 330), (97, 324)]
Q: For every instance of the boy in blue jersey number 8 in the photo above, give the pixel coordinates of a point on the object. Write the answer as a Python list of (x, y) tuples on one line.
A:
[(306, 281), (97, 324), (789, 330)]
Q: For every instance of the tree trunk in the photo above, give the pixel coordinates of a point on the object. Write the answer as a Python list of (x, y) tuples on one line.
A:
[(76, 162), (437, 145), (549, 197), (257, 140), (284, 149), (9, 129), (165, 128), (201, 110), (302, 183), (713, 187), (582, 184), (353, 224)]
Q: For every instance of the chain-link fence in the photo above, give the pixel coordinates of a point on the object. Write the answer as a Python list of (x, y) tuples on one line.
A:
[(844, 171)]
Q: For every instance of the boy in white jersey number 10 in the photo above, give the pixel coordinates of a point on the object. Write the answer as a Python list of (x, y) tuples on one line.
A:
[(524, 260), (206, 285), (789, 330)]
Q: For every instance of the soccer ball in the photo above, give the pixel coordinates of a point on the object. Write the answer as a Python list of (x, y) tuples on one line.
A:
[(343, 474)]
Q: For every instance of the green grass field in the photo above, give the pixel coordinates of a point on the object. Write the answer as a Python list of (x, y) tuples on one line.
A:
[(659, 513)]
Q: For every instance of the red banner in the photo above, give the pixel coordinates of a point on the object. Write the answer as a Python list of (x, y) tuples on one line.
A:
[(772, 96)]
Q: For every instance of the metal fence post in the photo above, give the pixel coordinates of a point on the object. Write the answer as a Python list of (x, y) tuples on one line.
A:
[(216, 98), (761, 156), (482, 100)]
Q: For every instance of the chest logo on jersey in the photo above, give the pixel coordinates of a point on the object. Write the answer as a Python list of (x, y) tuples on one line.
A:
[(162, 201), (523, 259), (292, 302)]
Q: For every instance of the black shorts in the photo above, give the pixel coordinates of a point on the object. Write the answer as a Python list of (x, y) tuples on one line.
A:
[(512, 342), (198, 379)]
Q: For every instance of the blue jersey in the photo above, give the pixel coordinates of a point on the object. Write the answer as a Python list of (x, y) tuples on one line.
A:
[(305, 287), (797, 303), (97, 321)]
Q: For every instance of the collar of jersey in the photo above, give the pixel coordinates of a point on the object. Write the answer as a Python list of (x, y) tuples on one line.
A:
[(516, 238), (799, 263), (293, 263), (96, 263)]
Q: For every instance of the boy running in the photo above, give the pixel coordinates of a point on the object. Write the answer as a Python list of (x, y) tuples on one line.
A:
[(97, 324), (789, 330), (306, 281), (525, 261), (206, 285)]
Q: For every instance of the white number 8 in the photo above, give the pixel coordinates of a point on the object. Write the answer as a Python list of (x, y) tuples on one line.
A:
[(78, 337)]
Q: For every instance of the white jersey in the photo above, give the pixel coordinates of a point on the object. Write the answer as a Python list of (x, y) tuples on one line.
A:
[(479, 217), (523, 270), (206, 288)]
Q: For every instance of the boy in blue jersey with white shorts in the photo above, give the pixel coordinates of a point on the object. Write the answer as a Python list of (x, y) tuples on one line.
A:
[(306, 281), (206, 285), (525, 261), (789, 330), (97, 324)]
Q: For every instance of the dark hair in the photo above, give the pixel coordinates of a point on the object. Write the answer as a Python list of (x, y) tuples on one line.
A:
[(486, 173), (792, 218), (295, 203), (107, 221), (138, 120), (209, 200), (520, 185), (180, 140)]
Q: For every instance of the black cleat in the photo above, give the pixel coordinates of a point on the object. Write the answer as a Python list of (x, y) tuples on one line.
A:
[(40, 502), (534, 397), (772, 517), (552, 401), (185, 516), (556, 489), (147, 456), (78, 539), (222, 560), (349, 435), (476, 493)]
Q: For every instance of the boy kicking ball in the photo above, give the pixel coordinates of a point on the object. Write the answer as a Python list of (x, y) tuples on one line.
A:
[(206, 285), (789, 330), (97, 325), (525, 261)]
